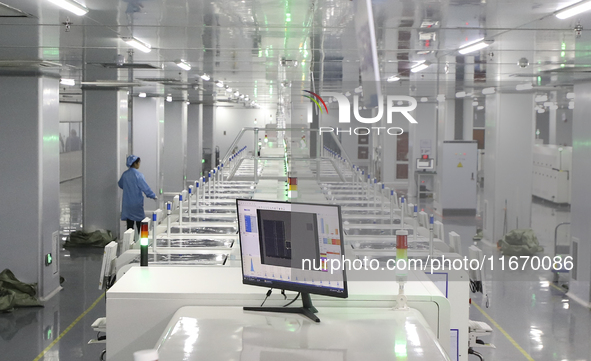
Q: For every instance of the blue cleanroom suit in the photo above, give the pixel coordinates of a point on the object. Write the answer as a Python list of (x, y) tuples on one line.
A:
[(133, 184)]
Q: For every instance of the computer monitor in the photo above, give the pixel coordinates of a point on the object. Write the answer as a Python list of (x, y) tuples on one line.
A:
[(425, 164), (290, 246)]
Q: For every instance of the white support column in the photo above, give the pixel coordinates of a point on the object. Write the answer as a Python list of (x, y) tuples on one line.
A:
[(29, 169), (148, 137), (174, 164), (579, 286), (508, 163), (209, 116), (105, 150), (194, 141)]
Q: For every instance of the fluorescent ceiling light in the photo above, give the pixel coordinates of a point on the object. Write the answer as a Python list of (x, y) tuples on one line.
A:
[(68, 82), (219, 83), (460, 94), (525, 86), (541, 98), (71, 6), (480, 107), (474, 46), (229, 90), (183, 64), (205, 77), (393, 78), (570, 95), (138, 44), (573, 10), (237, 93), (420, 67), (169, 98), (142, 95)]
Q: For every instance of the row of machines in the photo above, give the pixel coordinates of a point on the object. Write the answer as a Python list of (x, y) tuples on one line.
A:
[(196, 261)]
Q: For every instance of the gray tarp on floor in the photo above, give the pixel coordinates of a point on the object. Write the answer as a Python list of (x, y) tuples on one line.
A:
[(520, 242), (14, 293)]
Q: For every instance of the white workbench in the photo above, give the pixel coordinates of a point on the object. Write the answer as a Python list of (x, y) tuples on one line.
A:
[(352, 334), (142, 302)]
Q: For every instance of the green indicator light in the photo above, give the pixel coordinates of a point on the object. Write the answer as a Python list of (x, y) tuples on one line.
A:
[(49, 332), (563, 54), (144, 242), (562, 65), (288, 17), (202, 160), (161, 191), (48, 259), (563, 46)]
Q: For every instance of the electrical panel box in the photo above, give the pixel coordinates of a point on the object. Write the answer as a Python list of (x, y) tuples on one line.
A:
[(459, 168)]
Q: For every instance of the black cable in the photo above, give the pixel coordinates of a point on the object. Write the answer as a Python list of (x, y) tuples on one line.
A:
[(292, 301), (268, 294)]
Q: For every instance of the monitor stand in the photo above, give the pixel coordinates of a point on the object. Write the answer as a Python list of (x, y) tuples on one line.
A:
[(307, 310)]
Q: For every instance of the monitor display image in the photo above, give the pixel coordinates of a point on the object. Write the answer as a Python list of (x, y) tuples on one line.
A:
[(290, 246), (426, 164)]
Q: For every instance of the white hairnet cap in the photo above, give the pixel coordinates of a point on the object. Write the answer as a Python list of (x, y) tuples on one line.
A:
[(131, 159)]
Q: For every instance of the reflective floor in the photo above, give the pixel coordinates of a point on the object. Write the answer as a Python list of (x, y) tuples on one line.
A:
[(538, 321)]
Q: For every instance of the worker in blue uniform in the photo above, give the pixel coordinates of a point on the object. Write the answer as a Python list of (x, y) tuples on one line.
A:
[(133, 184)]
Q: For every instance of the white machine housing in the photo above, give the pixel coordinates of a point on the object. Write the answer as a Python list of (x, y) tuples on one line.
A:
[(552, 172)]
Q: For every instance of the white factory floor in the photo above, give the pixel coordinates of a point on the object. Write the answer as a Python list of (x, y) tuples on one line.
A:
[(531, 316)]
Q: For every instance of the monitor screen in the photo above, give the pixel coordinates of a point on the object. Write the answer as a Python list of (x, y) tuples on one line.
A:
[(289, 246), (424, 163)]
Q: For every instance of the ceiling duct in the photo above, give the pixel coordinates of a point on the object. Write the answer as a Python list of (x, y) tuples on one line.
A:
[(7, 11), (109, 84), (127, 66), (28, 64)]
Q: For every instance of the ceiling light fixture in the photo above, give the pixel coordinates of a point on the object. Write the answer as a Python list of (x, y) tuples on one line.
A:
[(142, 95), (541, 98), (71, 6), (487, 91), (474, 46), (573, 10), (570, 95), (420, 67), (183, 64), (480, 107), (393, 78), (237, 93), (219, 83), (205, 77), (138, 44), (169, 98), (525, 86), (460, 94), (68, 82), (229, 90)]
